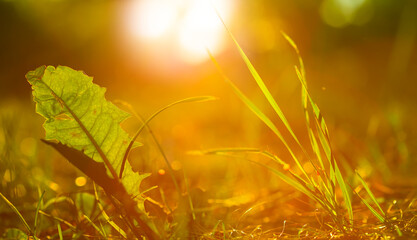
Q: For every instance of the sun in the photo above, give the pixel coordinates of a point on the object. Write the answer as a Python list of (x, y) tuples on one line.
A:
[(190, 26)]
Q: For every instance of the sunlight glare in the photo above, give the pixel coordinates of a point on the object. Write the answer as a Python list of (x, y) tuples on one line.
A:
[(186, 26), (152, 18), (201, 28)]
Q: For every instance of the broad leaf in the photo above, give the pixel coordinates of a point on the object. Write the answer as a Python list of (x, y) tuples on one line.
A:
[(78, 116)]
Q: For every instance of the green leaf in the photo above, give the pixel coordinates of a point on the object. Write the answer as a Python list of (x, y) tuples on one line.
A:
[(78, 116)]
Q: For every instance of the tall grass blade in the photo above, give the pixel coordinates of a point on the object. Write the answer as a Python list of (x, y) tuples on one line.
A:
[(306, 98), (263, 87), (323, 191), (261, 84), (259, 114), (323, 133)]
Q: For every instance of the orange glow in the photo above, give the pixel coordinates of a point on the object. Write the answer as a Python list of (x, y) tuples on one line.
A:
[(186, 26)]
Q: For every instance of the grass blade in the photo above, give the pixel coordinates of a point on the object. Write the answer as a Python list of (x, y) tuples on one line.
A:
[(345, 193), (213, 231), (56, 200), (302, 187), (158, 145), (106, 217), (306, 98), (103, 230), (271, 156), (132, 141), (59, 231), (95, 226), (22, 219), (71, 227), (398, 230), (371, 195), (373, 211), (322, 132), (35, 225), (224, 231)]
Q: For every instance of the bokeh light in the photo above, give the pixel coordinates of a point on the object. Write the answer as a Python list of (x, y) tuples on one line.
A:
[(340, 13), (80, 181), (161, 172)]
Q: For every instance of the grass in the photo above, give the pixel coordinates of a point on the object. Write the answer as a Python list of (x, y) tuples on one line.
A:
[(322, 188)]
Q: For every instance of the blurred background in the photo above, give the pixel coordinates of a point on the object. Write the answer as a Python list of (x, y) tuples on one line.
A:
[(360, 57)]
